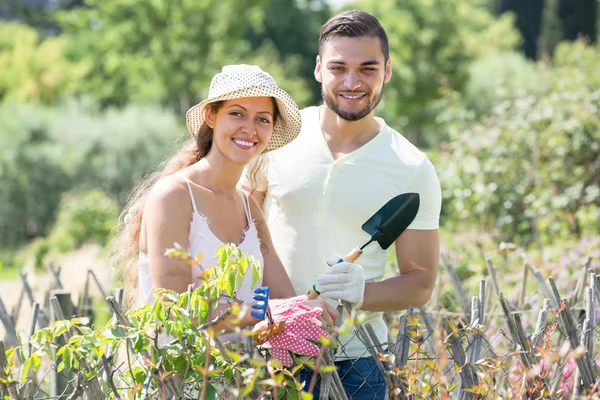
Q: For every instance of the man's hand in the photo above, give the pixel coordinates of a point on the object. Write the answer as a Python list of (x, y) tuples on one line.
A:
[(342, 281)]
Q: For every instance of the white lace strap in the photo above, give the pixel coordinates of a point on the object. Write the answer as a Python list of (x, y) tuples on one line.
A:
[(187, 182)]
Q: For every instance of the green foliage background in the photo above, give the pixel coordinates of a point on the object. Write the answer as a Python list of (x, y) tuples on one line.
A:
[(93, 93)]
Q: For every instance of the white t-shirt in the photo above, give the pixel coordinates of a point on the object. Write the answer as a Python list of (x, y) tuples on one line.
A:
[(315, 206)]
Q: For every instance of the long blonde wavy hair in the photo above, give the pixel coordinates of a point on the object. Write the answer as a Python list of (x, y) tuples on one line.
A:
[(125, 245)]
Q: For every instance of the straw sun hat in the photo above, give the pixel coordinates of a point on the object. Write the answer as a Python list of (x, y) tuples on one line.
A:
[(238, 81)]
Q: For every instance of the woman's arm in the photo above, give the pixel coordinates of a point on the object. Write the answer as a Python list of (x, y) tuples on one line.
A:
[(167, 215)]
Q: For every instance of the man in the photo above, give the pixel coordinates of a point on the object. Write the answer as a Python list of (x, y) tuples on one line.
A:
[(344, 166)]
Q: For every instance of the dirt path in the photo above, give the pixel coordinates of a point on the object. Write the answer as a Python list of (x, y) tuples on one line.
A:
[(74, 267)]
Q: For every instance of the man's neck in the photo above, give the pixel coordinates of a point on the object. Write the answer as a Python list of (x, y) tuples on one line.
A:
[(344, 136)]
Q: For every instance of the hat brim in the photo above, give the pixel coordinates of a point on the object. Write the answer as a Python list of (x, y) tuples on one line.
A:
[(287, 125)]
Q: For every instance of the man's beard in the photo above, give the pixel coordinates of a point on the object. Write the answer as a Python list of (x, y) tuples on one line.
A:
[(352, 116)]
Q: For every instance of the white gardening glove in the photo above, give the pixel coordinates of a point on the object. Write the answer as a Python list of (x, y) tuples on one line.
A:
[(342, 281)]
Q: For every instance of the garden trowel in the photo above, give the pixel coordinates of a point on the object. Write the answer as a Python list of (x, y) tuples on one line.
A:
[(385, 226)]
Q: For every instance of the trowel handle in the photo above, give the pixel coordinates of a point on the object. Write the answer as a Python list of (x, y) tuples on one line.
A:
[(350, 257)]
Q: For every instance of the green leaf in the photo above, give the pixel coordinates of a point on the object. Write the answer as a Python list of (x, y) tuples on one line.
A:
[(256, 272), (155, 354), (235, 357), (159, 310), (80, 321), (36, 361), (249, 387), (211, 392), (25, 369), (59, 328), (244, 263), (203, 314), (68, 358), (228, 373), (327, 368), (307, 396), (48, 351), (138, 345), (231, 281), (223, 253)]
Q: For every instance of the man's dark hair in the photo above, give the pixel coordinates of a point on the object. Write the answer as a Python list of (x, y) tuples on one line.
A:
[(355, 23)]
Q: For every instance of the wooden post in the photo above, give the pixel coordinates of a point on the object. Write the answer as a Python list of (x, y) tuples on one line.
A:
[(523, 286), (467, 377), (463, 299), (540, 326), (566, 319), (17, 307), (11, 333), (60, 387), (55, 273), (42, 317)]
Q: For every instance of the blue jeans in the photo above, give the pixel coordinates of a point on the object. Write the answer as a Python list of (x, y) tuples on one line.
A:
[(360, 377)]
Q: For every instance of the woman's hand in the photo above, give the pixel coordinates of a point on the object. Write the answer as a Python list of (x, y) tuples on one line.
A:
[(329, 315)]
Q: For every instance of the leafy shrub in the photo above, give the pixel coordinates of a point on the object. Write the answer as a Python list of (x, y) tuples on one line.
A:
[(501, 76), (45, 151), (529, 170), (83, 217), (188, 357)]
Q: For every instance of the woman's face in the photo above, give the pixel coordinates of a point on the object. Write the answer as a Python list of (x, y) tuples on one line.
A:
[(242, 127)]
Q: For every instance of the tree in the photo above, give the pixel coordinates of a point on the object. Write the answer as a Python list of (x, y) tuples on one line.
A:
[(551, 29), (159, 51), (290, 38), (35, 69), (432, 44)]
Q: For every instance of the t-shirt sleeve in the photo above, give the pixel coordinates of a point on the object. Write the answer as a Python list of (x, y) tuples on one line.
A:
[(427, 184)]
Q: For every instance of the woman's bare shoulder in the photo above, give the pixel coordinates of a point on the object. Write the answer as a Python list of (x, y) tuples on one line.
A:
[(169, 192)]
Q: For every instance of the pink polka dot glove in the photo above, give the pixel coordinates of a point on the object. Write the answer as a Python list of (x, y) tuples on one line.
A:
[(301, 326)]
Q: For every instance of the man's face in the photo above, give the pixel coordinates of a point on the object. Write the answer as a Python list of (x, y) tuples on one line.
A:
[(352, 72)]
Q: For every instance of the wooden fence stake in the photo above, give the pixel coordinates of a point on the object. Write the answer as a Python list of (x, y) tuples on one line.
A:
[(61, 388), (463, 299), (17, 308), (540, 327), (11, 332), (43, 320), (584, 364), (55, 273), (467, 376)]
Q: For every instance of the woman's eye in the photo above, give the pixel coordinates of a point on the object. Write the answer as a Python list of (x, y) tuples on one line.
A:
[(235, 114), (264, 120)]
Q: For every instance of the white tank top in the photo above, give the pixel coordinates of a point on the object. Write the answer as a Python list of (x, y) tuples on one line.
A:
[(202, 240)]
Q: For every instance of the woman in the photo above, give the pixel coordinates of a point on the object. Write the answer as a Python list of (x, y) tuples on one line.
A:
[(195, 201)]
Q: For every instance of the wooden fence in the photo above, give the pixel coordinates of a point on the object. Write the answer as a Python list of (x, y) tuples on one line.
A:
[(423, 335)]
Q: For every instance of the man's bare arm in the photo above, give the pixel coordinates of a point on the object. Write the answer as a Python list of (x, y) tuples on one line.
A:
[(417, 252)]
